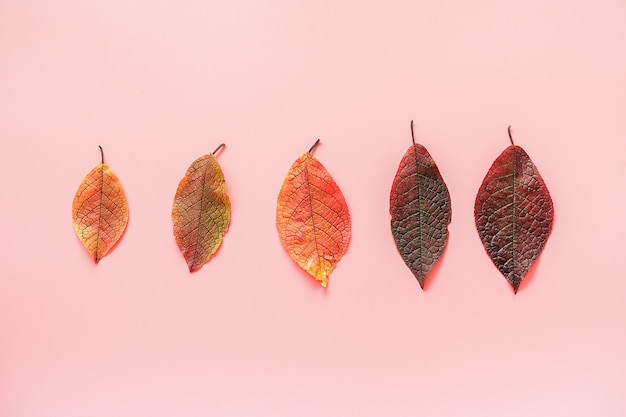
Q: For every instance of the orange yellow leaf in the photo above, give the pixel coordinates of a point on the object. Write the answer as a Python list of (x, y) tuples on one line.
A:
[(201, 211), (312, 218), (100, 211)]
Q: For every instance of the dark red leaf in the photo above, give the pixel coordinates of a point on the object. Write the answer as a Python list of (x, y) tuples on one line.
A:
[(513, 213), (420, 211)]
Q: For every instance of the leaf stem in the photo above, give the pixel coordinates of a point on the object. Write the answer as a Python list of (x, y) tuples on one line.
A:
[(412, 133), (317, 142), (218, 148), (101, 155), (510, 136)]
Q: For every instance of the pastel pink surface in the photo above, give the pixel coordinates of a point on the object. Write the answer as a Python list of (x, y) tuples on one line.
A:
[(158, 84)]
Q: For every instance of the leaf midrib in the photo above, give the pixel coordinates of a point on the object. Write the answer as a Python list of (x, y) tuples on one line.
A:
[(100, 212), (420, 220), (309, 194), (513, 211), (205, 169)]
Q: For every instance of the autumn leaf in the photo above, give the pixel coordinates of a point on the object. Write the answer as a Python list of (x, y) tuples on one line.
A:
[(312, 217), (513, 213), (201, 211), (100, 210), (420, 211)]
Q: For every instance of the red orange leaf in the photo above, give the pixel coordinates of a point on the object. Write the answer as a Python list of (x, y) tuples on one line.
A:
[(201, 211), (312, 217), (513, 213), (420, 211), (100, 210)]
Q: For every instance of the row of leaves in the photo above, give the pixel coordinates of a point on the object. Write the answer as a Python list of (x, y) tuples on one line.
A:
[(513, 213)]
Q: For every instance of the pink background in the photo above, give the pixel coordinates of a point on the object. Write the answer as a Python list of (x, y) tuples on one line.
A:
[(159, 83)]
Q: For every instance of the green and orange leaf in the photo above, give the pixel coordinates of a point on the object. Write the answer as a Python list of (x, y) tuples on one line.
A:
[(312, 218), (201, 211), (514, 213), (420, 211), (100, 211)]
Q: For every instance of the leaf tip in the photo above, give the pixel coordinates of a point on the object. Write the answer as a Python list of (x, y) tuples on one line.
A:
[(322, 278), (515, 283), (193, 267)]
